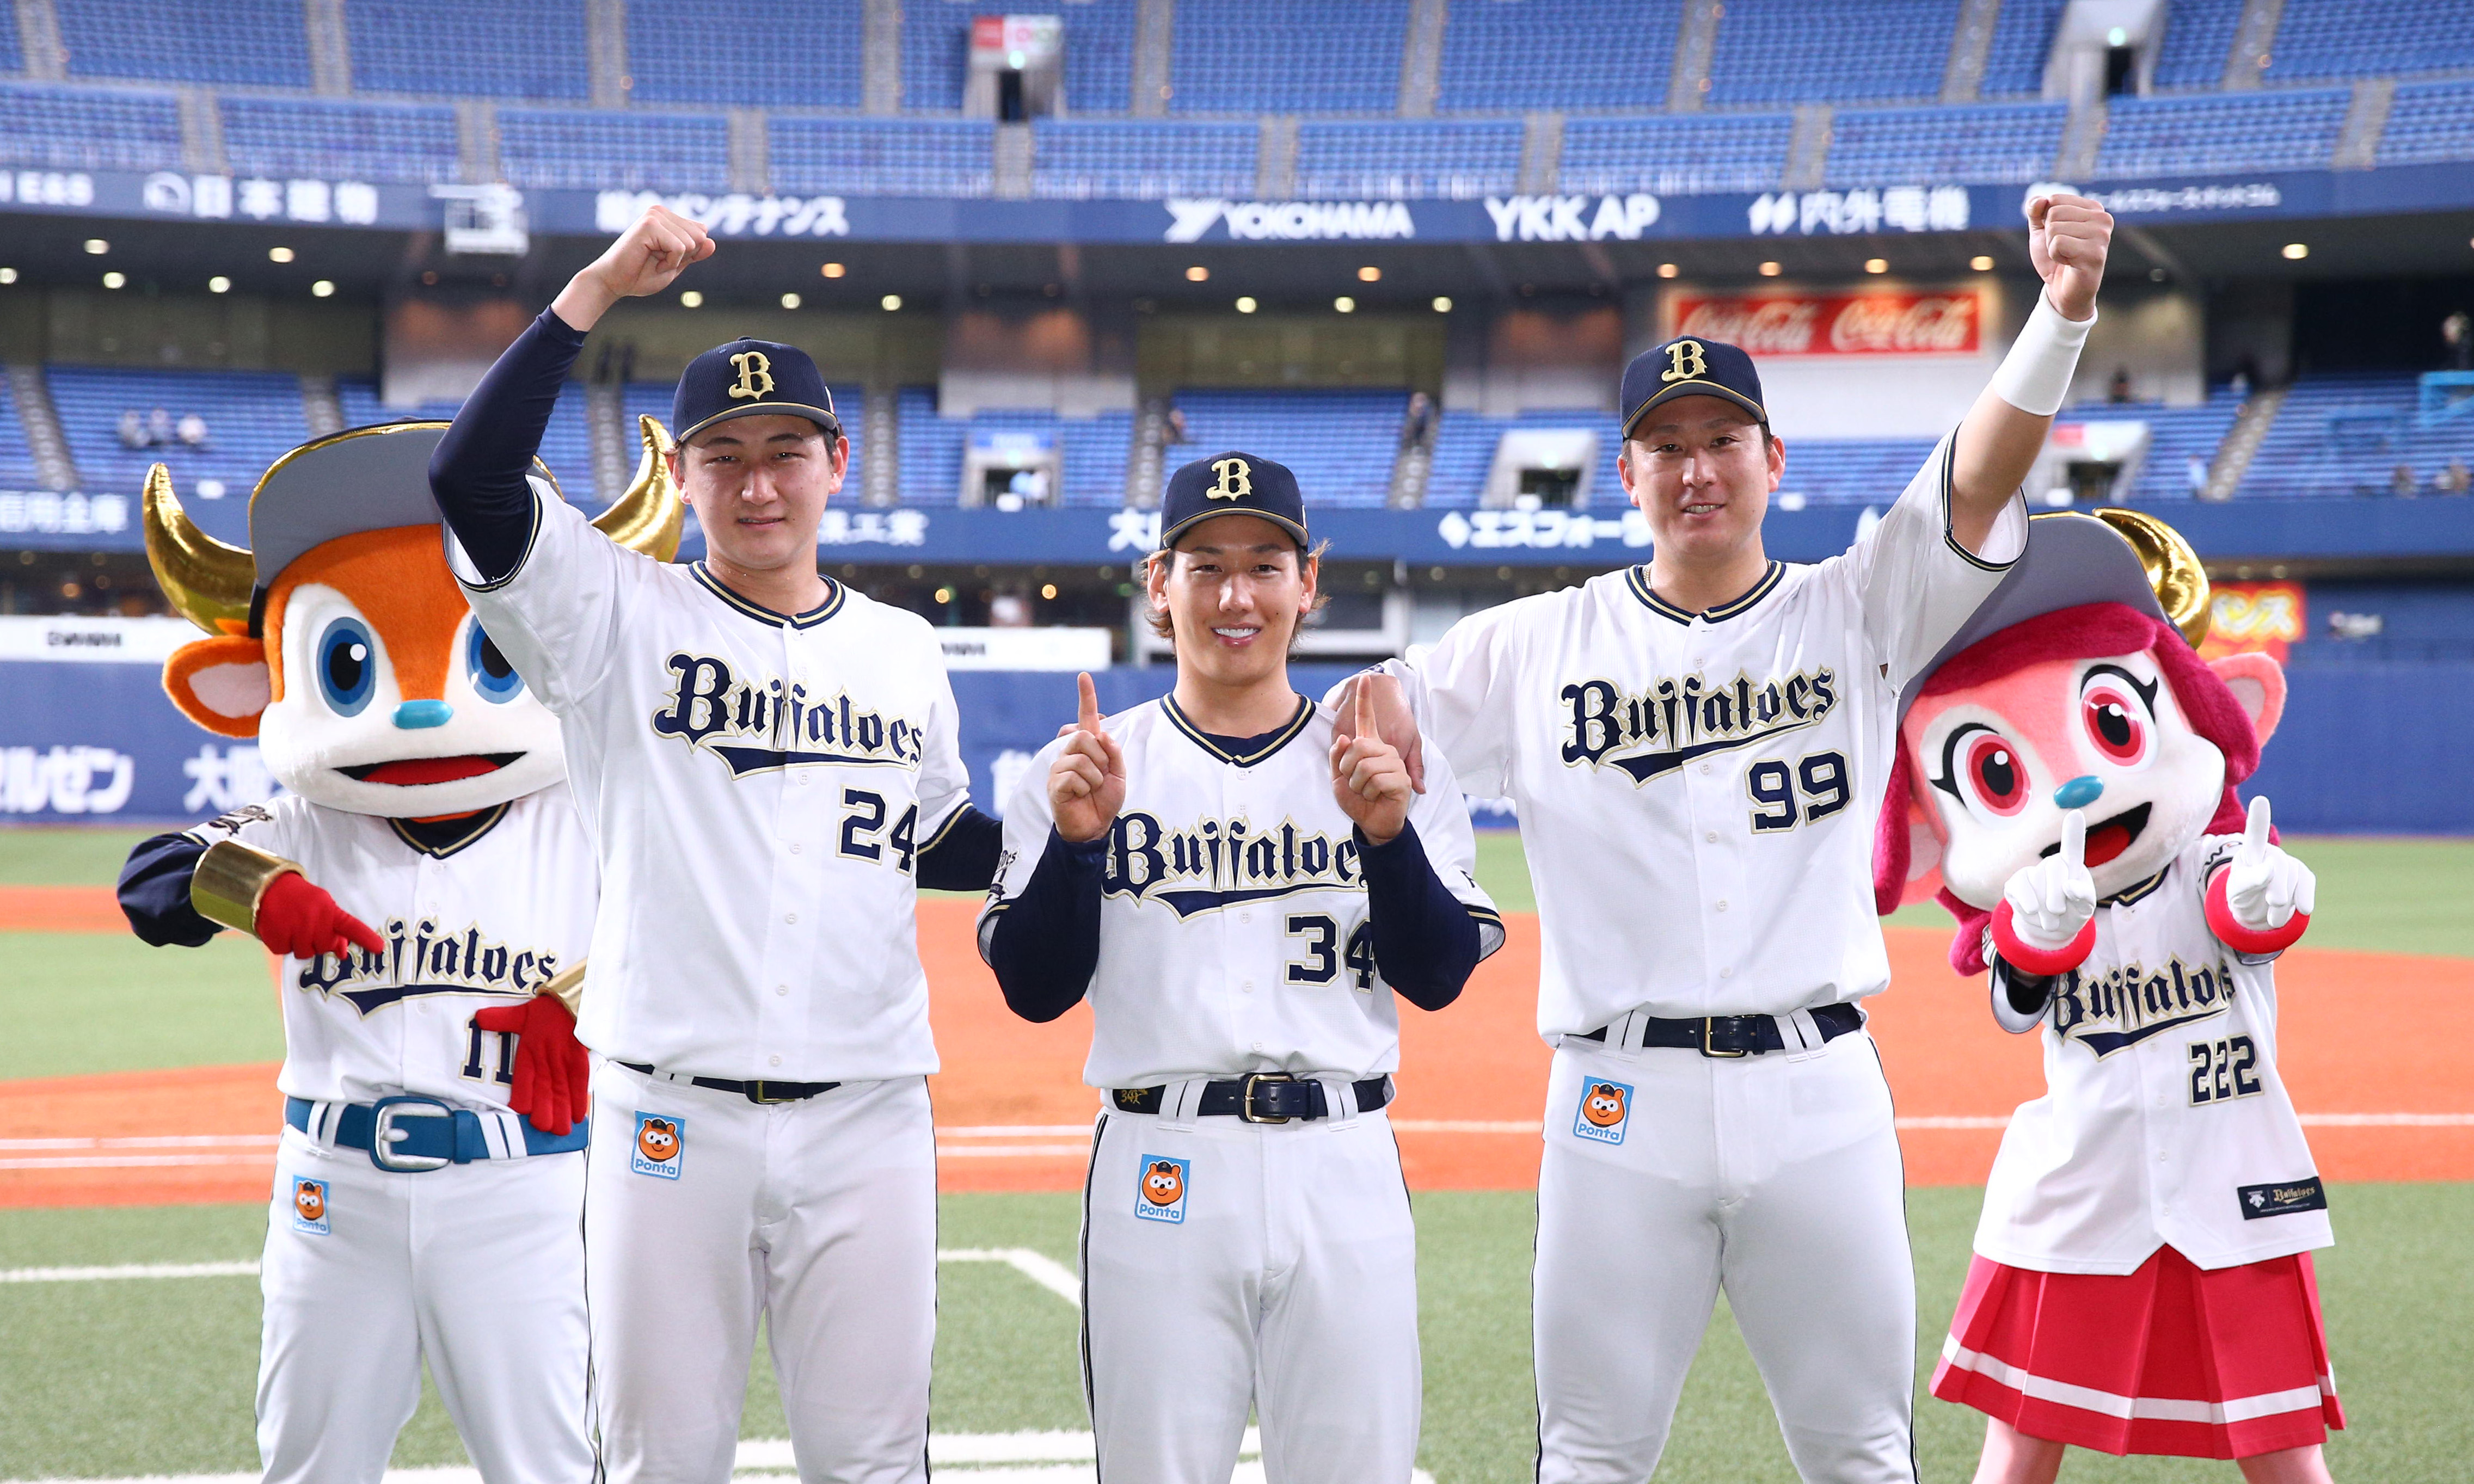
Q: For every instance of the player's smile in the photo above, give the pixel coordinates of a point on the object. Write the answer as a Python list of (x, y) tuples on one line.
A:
[(1236, 637)]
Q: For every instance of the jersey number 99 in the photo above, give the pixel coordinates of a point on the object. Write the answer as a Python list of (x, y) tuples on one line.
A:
[(1773, 786)]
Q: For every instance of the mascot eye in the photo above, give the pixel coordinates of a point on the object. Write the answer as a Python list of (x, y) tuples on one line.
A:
[(2115, 723), (348, 666), (492, 675), (1994, 774)]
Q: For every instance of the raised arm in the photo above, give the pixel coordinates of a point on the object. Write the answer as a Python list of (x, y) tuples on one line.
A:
[(477, 475), (1997, 444)]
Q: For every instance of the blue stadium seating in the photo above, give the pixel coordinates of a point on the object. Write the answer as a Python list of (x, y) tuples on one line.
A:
[(639, 151), (696, 51), (17, 456), (1900, 146), (1708, 152), (1288, 55), (487, 48), (352, 141), (2347, 433), (1852, 470), (1819, 51), (932, 450), (1459, 159), (1501, 55), (936, 54), (2349, 38), (1092, 450), (1340, 444), (1099, 54), (12, 56), (81, 129), (641, 398), (2022, 38), (2276, 129), (1465, 441), (2429, 121), (566, 444), (253, 418), (2174, 434), (1145, 160), (2198, 33), (182, 41), (882, 156)]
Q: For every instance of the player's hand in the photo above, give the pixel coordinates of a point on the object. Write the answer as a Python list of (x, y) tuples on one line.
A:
[(2068, 238), (298, 918), (1369, 776), (1394, 721), (2053, 899), (553, 1078), (645, 258), (1086, 784), (2265, 887)]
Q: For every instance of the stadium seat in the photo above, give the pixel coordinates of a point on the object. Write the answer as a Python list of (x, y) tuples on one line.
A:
[(932, 450), (1466, 443), (2429, 122), (17, 456), (1341, 443), (183, 41), (1148, 161), (1254, 57), (1506, 55), (354, 141), (1903, 146), (2271, 129), (2351, 38), (1098, 55), (1819, 51), (2022, 38), (1708, 152), (88, 129), (2198, 33), (251, 417), (695, 52), (566, 444), (2173, 435), (482, 48), (882, 156), (639, 151), (1460, 160), (2347, 433)]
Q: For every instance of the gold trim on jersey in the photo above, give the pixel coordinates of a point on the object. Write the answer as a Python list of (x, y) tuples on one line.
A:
[(813, 616), (1637, 579), (1202, 740), (2137, 890), (480, 823)]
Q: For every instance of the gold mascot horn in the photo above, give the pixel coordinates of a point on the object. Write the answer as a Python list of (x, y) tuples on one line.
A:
[(2174, 569), (650, 517), (210, 584)]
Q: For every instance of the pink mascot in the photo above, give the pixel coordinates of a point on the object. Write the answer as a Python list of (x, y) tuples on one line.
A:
[(2142, 1281)]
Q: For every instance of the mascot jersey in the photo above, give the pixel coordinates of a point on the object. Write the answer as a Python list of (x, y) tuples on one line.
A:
[(2164, 1120)]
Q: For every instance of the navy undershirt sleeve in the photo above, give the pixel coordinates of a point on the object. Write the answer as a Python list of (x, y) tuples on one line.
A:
[(964, 857), (1045, 944), (1425, 941), (155, 893), (477, 475)]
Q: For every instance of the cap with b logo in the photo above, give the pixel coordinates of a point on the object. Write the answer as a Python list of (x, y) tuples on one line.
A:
[(1231, 484), (750, 378), (1689, 366)]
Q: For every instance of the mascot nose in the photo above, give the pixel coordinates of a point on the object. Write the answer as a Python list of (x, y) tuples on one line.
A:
[(2077, 794), (413, 715)]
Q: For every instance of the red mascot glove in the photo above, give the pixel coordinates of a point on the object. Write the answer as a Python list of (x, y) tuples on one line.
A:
[(553, 1073), (297, 918)]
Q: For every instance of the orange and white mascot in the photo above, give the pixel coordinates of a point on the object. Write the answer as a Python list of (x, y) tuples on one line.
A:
[(431, 891)]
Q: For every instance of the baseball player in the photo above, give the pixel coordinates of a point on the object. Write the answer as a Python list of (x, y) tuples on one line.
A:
[(426, 880), (766, 762), (1238, 880), (1698, 747)]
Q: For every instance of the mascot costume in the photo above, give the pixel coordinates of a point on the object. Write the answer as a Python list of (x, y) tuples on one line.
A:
[(430, 889), (2065, 786)]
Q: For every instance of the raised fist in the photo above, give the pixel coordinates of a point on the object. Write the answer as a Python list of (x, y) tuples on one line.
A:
[(2068, 238)]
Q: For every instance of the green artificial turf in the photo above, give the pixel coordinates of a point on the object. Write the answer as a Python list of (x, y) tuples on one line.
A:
[(45, 855), (128, 1378), (99, 1002)]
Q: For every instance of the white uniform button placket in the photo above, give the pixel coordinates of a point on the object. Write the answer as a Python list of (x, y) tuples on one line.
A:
[(772, 1060), (781, 988), (791, 918)]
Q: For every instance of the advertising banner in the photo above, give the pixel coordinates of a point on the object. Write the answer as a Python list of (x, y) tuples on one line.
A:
[(1773, 324)]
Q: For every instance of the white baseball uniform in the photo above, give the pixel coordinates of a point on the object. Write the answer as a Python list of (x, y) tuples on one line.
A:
[(478, 1267), (1697, 795), (759, 787), (1224, 1262), (2164, 1120)]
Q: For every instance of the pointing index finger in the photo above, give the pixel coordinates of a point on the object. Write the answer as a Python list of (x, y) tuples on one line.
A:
[(1365, 700), (2255, 829), (1088, 719), (2074, 839)]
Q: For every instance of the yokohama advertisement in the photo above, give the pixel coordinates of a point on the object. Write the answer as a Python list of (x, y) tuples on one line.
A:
[(1838, 324)]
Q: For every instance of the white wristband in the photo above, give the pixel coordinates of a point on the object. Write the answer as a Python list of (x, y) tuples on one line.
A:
[(2035, 376)]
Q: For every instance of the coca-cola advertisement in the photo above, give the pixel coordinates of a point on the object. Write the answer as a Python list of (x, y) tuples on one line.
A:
[(1836, 323)]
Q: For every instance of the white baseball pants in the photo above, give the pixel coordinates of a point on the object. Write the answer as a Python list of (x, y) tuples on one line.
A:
[(478, 1268), (820, 1216), (1284, 1277), (1777, 1179)]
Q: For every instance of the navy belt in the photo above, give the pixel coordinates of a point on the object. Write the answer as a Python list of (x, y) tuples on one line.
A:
[(1261, 1097), (411, 1133), (753, 1091), (1733, 1036)]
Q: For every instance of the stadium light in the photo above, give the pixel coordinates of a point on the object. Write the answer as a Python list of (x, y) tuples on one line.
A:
[(114, 281), (1770, 270), (1370, 273), (945, 594), (833, 269), (97, 246), (1198, 274), (789, 301), (279, 255), (691, 299), (1982, 263), (2296, 252), (2117, 36), (890, 302), (218, 284), (1246, 304), (1877, 265), (1048, 590), (324, 288), (1443, 304), (1345, 305), (8, 275), (1668, 270)]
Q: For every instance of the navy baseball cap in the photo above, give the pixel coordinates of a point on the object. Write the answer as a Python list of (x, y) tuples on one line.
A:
[(1689, 366), (749, 378), (1231, 484)]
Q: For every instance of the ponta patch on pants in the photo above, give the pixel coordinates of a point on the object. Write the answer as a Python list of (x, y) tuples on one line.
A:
[(1605, 1112), (661, 1146), (1160, 1189)]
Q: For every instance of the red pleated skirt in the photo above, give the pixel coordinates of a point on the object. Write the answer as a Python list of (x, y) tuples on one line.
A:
[(2168, 1359)]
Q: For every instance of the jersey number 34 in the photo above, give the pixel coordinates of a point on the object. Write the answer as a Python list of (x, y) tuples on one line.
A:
[(1323, 954)]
